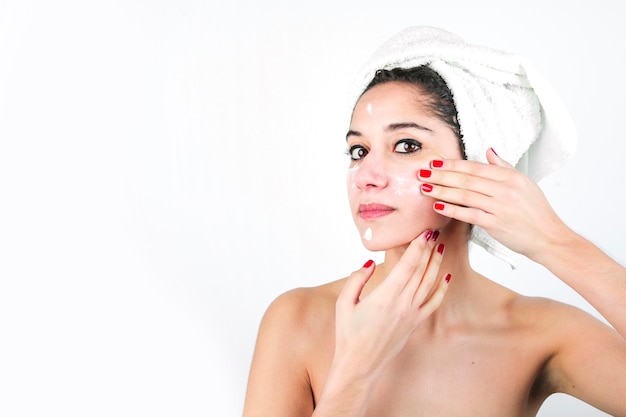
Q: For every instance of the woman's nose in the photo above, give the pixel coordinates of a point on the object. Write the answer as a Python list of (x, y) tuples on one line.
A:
[(371, 172)]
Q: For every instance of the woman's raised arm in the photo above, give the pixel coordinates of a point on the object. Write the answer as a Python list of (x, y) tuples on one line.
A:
[(514, 210), (589, 361)]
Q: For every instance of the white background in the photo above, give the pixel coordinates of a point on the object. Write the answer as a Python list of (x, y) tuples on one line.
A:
[(167, 168)]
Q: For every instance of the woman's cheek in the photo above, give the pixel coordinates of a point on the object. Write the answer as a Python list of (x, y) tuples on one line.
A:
[(407, 185), (350, 181)]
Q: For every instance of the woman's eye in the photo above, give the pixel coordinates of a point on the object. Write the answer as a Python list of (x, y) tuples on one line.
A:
[(357, 152), (407, 146)]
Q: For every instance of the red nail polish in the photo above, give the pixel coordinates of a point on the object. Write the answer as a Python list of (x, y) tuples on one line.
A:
[(368, 264), (439, 206), (448, 278), (440, 248), (425, 173), (428, 235), (435, 235), (427, 188), (494, 151), (437, 163)]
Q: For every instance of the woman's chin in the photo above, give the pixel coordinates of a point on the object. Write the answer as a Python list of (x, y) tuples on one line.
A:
[(371, 246), (379, 245)]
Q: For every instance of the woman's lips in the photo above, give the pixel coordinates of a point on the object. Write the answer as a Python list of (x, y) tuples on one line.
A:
[(374, 211)]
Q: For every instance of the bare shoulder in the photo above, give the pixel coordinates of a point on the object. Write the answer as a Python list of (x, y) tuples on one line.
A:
[(552, 325), (293, 324), (569, 325), (304, 309), (512, 310), (550, 314), (587, 356), (280, 374)]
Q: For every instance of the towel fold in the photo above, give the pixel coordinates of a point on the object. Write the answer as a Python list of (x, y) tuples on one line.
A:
[(501, 99)]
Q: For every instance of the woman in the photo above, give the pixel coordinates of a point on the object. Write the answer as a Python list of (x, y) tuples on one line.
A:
[(423, 334)]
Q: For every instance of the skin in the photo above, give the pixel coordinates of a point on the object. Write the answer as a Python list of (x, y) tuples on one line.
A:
[(396, 339)]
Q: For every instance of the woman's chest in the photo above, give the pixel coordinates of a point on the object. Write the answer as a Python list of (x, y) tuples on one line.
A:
[(481, 373)]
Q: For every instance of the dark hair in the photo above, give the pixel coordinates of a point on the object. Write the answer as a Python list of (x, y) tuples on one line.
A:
[(441, 102)]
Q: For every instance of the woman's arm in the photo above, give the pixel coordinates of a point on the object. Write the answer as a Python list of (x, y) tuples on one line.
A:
[(514, 210), (589, 361), (589, 271)]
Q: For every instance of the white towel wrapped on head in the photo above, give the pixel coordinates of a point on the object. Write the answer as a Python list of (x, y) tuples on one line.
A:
[(501, 101)]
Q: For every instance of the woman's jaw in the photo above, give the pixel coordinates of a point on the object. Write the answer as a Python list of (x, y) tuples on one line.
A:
[(376, 237)]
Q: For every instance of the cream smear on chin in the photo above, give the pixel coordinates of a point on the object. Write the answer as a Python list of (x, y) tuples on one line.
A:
[(368, 234)]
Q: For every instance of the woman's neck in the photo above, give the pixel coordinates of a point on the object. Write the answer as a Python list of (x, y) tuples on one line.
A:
[(455, 261), (470, 297)]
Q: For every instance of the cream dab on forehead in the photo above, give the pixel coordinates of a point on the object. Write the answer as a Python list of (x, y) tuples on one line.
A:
[(369, 109)]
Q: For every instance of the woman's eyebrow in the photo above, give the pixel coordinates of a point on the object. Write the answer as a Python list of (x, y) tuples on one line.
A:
[(392, 127), (405, 125), (352, 133)]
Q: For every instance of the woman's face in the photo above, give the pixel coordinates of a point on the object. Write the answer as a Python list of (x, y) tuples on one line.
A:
[(392, 136)]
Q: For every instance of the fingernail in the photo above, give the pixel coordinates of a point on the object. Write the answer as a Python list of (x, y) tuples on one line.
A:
[(494, 151), (440, 248), (448, 278), (439, 206), (427, 188), (429, 233), (435, 235), (437, 163), (368, 264), (425, 173)]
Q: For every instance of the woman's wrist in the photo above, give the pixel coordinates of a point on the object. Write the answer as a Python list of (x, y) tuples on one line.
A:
[(569, 256), (346, 391), (556, 245)]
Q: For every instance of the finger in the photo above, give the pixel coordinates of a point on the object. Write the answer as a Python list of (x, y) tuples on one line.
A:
[(353, 287), (460, 196), (416, 263), (434, 301), (495, 171), (484, 181), (469, 215), (413, 261), (419, 276), (429, 280), (494, 159)]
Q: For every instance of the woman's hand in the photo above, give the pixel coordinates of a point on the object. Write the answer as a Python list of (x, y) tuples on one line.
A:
[(496, 197), (372, 331)]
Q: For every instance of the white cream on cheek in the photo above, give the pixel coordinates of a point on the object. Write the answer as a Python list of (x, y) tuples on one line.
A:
[(404, 184), (351, 171)]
